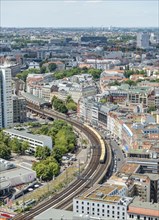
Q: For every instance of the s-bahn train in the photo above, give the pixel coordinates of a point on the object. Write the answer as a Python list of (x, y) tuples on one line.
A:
[(100, 139)]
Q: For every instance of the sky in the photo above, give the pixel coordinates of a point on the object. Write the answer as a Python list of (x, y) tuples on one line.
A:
[(79, 13)]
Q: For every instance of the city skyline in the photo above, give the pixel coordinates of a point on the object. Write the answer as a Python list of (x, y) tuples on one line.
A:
[(79, 13)]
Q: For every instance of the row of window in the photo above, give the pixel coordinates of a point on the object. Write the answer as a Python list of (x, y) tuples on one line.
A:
[(103, 205)]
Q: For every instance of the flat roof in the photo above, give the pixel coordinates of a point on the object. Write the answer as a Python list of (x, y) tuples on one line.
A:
[(12, 173), (28, 135), (144, 208), (102, 193), (129, 168), (52, 214)]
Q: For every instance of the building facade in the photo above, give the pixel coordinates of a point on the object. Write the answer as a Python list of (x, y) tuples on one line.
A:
[(6, 103)]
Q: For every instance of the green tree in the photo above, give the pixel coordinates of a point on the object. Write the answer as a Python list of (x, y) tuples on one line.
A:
[(58, 152), (131, 82), (46, 169), (42, 152), (52, 67), (5, 151), (71, 106), (24, 146), (59, 105), (151, 108), (43, 69), (16, 145)]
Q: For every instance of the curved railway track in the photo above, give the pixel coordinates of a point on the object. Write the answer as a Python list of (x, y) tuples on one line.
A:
[(94, 172)]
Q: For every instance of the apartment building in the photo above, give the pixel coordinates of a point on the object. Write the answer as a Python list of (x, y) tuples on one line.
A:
[(104, 201), (33, 140), (6, 103), (19, 109), (139, 210), (143, 40)]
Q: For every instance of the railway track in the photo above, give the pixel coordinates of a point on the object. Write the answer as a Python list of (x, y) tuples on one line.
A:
[(94, 172)]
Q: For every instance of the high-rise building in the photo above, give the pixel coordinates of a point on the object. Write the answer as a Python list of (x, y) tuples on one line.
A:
[(143, 40), (6, 103), (19, 109)]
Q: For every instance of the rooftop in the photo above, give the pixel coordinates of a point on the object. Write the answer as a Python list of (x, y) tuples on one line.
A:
[(145, 208), (51, 214), (103, 193), (24, 133)]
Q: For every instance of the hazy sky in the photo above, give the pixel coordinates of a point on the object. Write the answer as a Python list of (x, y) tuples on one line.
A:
[(79, 13)]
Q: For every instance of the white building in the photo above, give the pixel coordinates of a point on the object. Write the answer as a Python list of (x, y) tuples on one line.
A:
[(104, 201), (6, 103), (33, 140), (143, 40), (143, 210)]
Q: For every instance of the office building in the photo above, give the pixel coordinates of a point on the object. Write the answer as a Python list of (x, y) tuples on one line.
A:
[(143, 40), (6, 103), (33, 140)]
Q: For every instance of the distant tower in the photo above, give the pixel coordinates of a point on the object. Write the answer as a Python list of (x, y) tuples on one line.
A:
[(6, 103), (143, 40)]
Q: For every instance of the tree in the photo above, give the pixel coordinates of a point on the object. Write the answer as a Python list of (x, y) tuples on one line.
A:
[(24, 146), (16, 146), (46, 169), (52, 67), (151, 108), (5, 151), (58, 153), (43, 69), (131, 82), (69, 99), (42, 152), (71, 106), (59, 105)]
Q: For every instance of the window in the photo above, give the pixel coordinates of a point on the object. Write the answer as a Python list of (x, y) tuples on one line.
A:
[(102, 210), (97, 204), (112, 207), (87, 208), (88, 212), (92, 204), (102, 214), (107, 211), (103, 206), (87, 203), (112, 212), (123, 213), (97, 210), (82, 203), (76, 201), (108, 206), (82, 207), (77, 207), (82, 211), (92, 209)]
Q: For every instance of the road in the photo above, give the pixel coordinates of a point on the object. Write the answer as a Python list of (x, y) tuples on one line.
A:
[(118, 155)]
